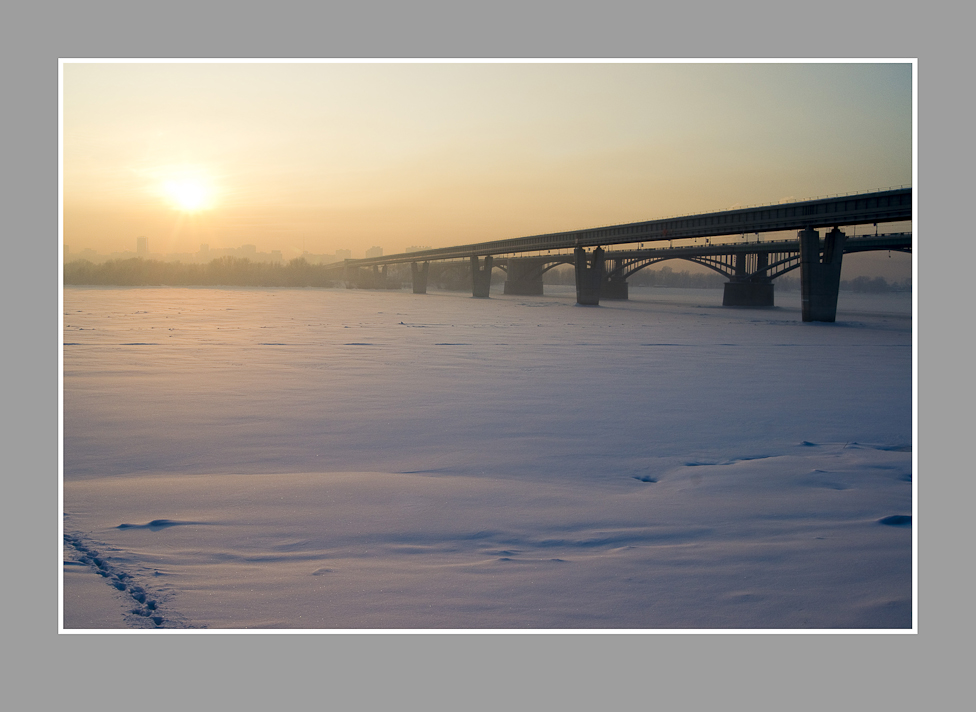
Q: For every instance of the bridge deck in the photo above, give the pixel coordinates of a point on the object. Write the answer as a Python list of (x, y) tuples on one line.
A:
[(865, 208)]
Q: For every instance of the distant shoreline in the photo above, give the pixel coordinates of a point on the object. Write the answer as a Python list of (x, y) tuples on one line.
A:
[(241, 272)]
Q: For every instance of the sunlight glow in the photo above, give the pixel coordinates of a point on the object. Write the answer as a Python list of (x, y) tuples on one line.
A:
[(189, 194)]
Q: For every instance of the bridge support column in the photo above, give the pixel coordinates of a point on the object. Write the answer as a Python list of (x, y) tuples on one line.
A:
[(614, 286), (480, 277), (524, 277), (375, 279), (351, 276), (419, 274), (820, 277), (749, 288), (748, 294), (740, 265), (589, 276)]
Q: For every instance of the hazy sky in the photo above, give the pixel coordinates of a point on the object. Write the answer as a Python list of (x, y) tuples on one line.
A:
[(348, 155)]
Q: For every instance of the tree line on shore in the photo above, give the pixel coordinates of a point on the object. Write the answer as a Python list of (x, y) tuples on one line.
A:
[(223, 271), (863, 285), (241, 272)]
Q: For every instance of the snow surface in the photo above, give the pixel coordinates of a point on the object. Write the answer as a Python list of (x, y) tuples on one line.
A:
[(351, 459)]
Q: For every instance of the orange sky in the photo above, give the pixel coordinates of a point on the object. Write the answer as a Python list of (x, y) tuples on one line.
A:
[(327, 156)]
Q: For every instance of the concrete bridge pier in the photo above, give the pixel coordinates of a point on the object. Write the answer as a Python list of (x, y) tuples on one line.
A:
[(589, 276), (613, 286), (820, 277), (524, 277), (350, 275), (749, 290), (419, 274), (480, 277), (748, 294)]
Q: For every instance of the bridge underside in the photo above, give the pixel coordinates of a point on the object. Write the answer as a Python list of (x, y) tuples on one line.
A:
[(749, 267)]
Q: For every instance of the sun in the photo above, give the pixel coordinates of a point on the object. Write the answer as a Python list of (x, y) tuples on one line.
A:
[(189, 194)]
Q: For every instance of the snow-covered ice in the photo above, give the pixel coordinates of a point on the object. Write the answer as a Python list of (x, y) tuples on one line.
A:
[(349, 459)]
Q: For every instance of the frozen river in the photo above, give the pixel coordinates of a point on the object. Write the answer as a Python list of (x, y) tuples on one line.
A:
[(348, 459)]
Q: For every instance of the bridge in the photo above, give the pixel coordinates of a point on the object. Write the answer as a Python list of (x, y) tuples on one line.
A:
[(750, 266)]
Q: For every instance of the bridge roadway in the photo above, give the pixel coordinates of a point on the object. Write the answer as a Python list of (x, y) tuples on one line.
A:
[(859, 209), (746, 264)]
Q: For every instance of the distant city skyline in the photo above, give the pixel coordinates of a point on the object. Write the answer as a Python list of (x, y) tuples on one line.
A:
[(317, 157)]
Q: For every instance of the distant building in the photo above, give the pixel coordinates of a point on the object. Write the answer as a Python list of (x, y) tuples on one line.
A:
[(374, 252), (417, 248), (142, 245), (343, 254), (249, 249), (276, 256)]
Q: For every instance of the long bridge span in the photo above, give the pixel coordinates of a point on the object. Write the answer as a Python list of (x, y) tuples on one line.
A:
[(750, 266)]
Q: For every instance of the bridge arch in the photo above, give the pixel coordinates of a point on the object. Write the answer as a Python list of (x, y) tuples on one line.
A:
[(628, 268), (732, 266)]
